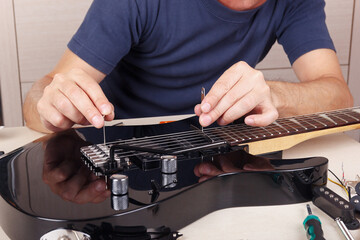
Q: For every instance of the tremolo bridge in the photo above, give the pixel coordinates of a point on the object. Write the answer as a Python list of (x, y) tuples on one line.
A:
[(107, 159)]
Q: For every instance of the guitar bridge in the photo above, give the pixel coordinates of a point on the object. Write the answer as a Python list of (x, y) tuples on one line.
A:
[(106, 159)]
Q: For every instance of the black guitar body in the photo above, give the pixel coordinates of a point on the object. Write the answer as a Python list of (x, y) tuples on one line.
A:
[(31, 206)]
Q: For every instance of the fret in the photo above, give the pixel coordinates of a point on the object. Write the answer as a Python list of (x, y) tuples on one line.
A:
[(274, 129), (308, 123), (288, 123), (270, 133), (336, 119), (325, 117), (318, 121), (250, 132), (238, 135), (353, 114), (223, 133), (346, 117), (279, 125), (355, 110), (234, 138), (245, 136), (298, 123)]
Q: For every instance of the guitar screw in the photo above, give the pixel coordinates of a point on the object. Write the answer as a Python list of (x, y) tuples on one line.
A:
[(336, 199), (322, 189), (326, 192), (341, 202), (346, 206), (331, 195), (356, 201)]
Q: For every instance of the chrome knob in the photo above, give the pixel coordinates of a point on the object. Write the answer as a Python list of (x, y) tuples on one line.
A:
[(120, 202), (168, 164), (119, 184), (168, 180)]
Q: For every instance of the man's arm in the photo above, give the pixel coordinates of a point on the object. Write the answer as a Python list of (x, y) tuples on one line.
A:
[(69, 94), (242, 90), (321, 88)]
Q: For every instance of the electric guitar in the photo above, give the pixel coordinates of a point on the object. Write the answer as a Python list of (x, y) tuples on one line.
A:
[(151, 172)]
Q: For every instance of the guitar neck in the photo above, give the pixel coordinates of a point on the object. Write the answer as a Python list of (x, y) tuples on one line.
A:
[(287, 132), (280, 135)]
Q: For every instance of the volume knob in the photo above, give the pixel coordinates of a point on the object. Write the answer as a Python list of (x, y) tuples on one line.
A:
[(168, 164), (119, 184)]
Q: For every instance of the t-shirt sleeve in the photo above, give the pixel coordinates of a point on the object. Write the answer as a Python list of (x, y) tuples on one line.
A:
[(303, 28), (107, 33)]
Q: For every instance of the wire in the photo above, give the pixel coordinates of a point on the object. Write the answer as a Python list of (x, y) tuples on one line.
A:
[(340, 185)]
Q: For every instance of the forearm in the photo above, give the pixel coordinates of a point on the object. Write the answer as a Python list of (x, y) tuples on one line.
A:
[(31, 115), (306, 97)]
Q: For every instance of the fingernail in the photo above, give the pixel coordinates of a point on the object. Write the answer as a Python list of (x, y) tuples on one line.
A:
[(105, 109), (205, 107), (249, 121), (97, 121), (205, 120), (99, 187)]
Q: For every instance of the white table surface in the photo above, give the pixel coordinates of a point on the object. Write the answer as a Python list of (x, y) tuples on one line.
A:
[(271, 222)]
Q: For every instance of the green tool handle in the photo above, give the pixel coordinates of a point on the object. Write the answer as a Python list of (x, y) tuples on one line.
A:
[(313, 229)]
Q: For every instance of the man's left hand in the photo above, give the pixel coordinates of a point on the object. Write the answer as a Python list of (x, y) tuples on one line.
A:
[(241, 90)]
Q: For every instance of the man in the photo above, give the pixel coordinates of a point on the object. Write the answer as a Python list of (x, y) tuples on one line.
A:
[(153, 57)]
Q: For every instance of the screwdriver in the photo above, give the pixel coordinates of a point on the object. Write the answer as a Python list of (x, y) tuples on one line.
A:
[(312, 226)]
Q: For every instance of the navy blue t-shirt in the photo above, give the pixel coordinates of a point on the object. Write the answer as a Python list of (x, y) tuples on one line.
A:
[(157, 54)]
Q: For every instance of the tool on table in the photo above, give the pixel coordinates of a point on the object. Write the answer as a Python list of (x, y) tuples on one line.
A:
[(312, 225), (202, 98), (344, 229)]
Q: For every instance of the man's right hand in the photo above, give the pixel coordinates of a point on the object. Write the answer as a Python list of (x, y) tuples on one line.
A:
[(73, 98), (70, 94)]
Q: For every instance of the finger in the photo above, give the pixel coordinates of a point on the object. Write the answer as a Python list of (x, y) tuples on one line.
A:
[(267, 116), (65, 107), (111, 116), (197, 110), (224, 108), (245, 105), (52, 119), (94, 92), (226, 81), (82, 102)]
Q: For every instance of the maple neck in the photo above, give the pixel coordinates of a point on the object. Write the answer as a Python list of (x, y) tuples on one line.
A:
[(242, 133)]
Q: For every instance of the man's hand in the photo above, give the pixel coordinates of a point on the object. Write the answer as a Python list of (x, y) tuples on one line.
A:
[(68, 95), (239, 91), (74, 97)]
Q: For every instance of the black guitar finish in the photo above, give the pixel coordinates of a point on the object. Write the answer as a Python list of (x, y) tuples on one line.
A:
[(31, 206)]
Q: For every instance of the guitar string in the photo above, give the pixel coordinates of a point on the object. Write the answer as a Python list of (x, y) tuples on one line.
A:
[(251, 130), (242, 127)]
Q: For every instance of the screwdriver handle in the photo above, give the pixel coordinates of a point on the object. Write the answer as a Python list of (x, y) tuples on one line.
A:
[(313, 228)]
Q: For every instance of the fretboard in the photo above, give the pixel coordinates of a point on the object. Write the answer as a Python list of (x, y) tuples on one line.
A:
[(233, 134), (241, 133)]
